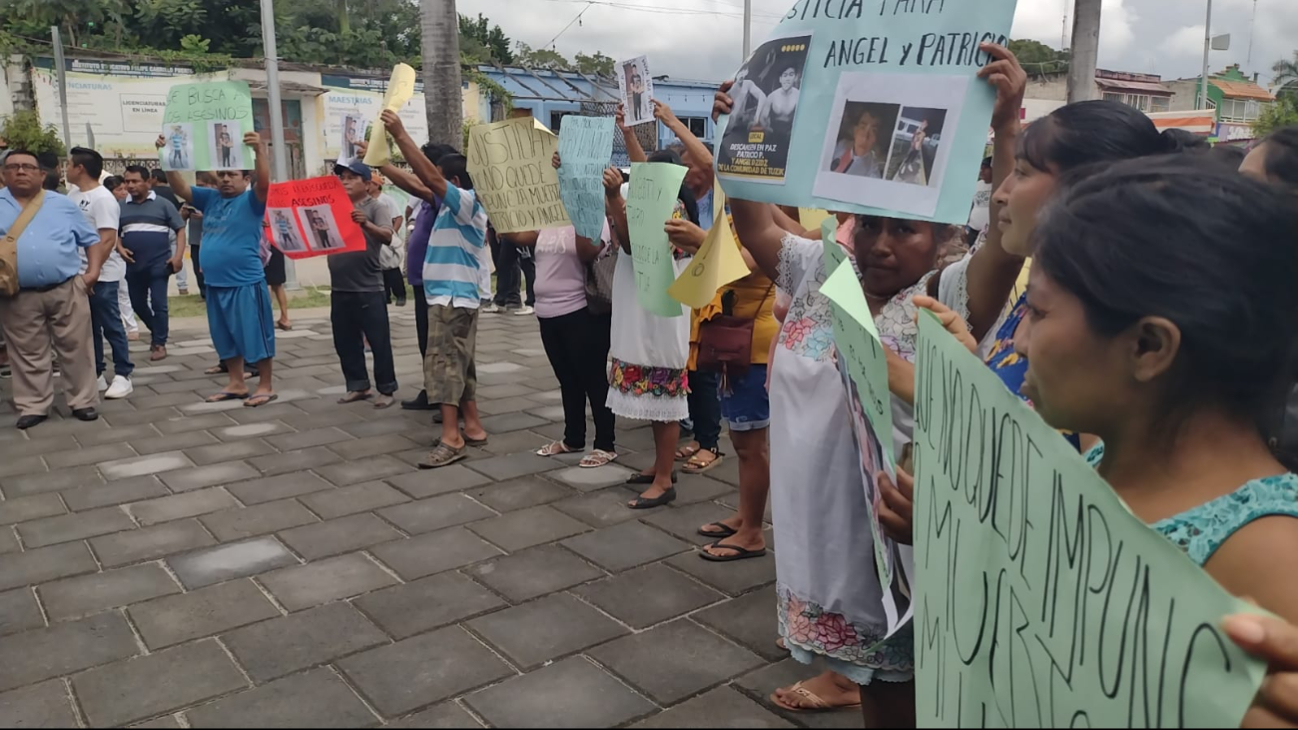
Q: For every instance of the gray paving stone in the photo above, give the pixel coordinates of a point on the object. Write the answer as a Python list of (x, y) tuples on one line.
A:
[(44, 564), (173, 442), (338, 536), (34, 507), (81, 596), (139, 417), (325, 580), (19, 612), (684, 522), (363, 470), (512, 466), (8, 541), (251, 430), (760, 684), (274, 412), (367, 429), (89, 455), (55, 481), (673, 661), (231, 560), (520, 494), (40, 705), (150, 685), (179, 506), (721, 707), (117, 434), (434, 552), (650, 595), (184, 480), (291, 461), (749, 621), (113, 493), (75, 526), (141, 465), (261, 519), (193, 423), (160, 401), (432, 482), (423, 670), (445, 715), (515, 442), (429, 603), (535, 572), (543, 630), (307, 439), (350, 500), (372, 446), (149, 543), (64, 648), (526, 528), (318, 698), (171, 620), (591, 699), (436, 513), (734, 578), (166, 722), (318, 420), (268, 489), (590, 480), (501, 406), (24, 464), (282, 646), (625, 546), (204, 455)]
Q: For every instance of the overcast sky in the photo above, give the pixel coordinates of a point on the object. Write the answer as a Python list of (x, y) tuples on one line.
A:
[(705, 42)]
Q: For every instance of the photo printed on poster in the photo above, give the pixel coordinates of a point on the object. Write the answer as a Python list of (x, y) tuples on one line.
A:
[(755, 145), (179, 147), (318, 222), (637, 88)]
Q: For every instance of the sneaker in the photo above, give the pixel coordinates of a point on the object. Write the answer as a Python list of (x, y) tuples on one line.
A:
[(523, 311), (120, 388), (103, 384), (492, 308)]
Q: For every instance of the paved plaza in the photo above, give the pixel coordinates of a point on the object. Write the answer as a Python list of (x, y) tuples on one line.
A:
[(179, 564)]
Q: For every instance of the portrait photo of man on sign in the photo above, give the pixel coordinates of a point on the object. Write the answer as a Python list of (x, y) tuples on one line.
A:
[(915, 141), (179, 150), (766, 92), (863, 140), (319, 223), (283, 231)]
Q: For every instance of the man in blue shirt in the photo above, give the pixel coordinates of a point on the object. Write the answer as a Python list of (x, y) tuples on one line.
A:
[(238, 302), (52, 306), (147, 223)]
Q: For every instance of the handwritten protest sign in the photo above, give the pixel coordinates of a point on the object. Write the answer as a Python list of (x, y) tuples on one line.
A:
[(650, 202), (312, 218), (868, 106), (717, 263), (585, 148), (400, 88), (1041, 600), (514, 176), (204, 124), (637, 88)]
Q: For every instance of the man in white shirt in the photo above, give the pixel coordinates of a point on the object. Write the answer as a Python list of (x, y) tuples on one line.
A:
[(102, 211)]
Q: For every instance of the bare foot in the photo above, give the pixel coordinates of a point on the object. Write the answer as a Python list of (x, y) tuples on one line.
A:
[(382, 401), (827, 691), (731, 523), (353, 396)]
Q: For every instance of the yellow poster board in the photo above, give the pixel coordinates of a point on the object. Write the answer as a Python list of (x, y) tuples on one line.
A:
[(717, 263), (400, 88)]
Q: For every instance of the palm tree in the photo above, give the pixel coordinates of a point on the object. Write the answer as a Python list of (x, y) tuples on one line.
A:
[(440, 25), (1286, 75)]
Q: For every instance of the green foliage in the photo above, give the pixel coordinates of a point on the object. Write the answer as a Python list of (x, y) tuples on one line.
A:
[(596, 65), (194, 43), (1286, 75), (1283, 113), (23, 130), (483, 42), (540, 58), (1037, 57)]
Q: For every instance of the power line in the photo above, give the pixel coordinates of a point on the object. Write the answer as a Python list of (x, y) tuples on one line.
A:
[(569, 25)]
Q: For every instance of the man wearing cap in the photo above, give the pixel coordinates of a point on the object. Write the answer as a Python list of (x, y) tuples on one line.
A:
[(358, 302)]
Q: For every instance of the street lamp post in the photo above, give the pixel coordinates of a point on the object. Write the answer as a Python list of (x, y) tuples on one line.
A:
[(1207, 46), (279, 150)]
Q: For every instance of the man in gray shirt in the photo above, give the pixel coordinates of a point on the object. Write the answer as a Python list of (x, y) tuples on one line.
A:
[(358, 303)]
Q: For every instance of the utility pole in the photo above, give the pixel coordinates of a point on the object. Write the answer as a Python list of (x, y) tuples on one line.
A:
[(1207, 46), (440, 46), (61, 73), (748, 28), (279, 150), (1086, 50)]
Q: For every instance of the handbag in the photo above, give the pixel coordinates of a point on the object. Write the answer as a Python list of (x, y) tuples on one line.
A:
[(599, 280), (726, 343), (9, 246)]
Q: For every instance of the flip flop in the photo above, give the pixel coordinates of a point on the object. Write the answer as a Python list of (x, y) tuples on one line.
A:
[(666, 497), (645, 478), (723, 533), (818, 704), (257, 401), (740, 553), (686, 452), (224, 396), (354, 396)]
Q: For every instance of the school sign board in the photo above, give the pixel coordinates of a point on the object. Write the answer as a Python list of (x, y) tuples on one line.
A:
[(866, 106)]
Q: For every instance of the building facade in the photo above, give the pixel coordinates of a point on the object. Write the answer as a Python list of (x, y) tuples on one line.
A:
[(1236, 100)]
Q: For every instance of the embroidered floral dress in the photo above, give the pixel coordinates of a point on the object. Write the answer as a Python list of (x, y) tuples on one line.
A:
[(828, 598)]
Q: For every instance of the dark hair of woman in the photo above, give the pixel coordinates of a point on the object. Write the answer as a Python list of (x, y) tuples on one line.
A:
[(1093, 131), (1150, 238), (1282, 156)]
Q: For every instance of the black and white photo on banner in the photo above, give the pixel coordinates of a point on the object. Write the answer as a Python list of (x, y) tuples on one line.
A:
[(637, 89), (755, 144)]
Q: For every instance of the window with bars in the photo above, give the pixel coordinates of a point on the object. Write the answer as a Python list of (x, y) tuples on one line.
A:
[(1143, 102)]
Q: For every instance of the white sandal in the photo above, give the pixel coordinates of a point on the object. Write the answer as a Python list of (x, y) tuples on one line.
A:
[(597, 458), (554, 448)]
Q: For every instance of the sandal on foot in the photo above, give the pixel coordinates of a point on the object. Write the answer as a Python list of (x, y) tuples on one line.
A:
[(721, 534), (443, 455), (697, 466), (224, 396), (554, 448), (739, 554), (666, 497), (597, 458), (284, 326), (475, 442), (687, 451), (259, 400), (818, 704), (216, 370), (354, 396), (645, 478), (383, 401)]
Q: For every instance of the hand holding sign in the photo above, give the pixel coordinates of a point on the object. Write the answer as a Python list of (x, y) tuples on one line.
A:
[(685, 235), (1007, 76), (1276, 641), (511, 164), (716, 263), (202, 124), (400, 88)]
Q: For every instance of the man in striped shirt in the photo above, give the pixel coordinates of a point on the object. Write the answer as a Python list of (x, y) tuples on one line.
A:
[(148, 222), (452, 279)]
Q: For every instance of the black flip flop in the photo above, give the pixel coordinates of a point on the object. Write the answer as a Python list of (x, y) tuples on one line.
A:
[(723, 533), (665, 498), (638, 478), (740, 553)]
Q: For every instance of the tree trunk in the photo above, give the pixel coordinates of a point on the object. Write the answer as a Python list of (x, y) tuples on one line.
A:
[(344, 22), (440, 25)]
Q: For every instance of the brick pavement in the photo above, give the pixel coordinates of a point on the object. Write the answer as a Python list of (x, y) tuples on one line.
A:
[(177, 563)]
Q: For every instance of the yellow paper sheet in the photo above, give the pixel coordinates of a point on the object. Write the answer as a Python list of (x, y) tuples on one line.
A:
[(400, 88), (514, 176), (811, 218), (717, 263)]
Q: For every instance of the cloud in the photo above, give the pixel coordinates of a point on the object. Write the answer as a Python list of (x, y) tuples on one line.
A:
[(1187, 41)]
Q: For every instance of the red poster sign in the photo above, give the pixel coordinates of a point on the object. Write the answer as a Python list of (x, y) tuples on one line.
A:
[(312, 217)]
